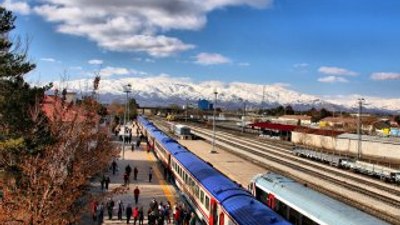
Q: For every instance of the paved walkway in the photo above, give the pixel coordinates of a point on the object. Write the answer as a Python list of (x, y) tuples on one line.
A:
[(158, 188)]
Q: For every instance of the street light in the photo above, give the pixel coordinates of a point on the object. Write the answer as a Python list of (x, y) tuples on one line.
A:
[(360, 102), (127, 90), (214, 112), (243, 112)]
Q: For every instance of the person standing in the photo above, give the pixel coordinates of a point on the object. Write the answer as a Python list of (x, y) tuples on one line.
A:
[(93, 209), (110, 208), (107, 181), (128, 170), (141, 215), (120, 209), (102, 182), (126, 179), (135, 215), (136, 193), (193, 219), (114, 166), (100, 214), (135, 173), (128, 213), (150, 174)]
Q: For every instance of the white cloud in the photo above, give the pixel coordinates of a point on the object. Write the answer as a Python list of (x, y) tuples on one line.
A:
[(95, 61), (134, 26), (332, 79), (17, 6), (244, 64), (211, 59), (385, 76), (300, 65), (76, 68), (336, 71), (109, 70), (284, 85), (48, 60)]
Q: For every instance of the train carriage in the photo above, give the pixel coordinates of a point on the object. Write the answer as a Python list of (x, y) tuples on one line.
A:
[(301, 205), (217, 199)]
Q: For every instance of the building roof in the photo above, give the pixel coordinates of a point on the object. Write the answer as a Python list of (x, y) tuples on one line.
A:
[(323, 132), (296, 117), (340, 119), (316, 206), (55, 108), (273, 126), (385, 140)]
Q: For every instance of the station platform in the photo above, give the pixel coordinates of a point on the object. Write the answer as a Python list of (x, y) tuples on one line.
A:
[(158, 189), (236, 168)]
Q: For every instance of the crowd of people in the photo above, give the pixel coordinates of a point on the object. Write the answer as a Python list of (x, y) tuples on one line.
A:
[(157, 213)]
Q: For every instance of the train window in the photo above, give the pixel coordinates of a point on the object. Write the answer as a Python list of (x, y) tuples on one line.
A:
[(207, 203), (308, 221), (201, 196)]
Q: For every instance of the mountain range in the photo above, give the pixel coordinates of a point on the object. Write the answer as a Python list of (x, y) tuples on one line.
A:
[(164, 90)]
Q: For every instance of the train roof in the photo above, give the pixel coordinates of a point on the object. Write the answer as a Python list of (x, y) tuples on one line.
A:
[(239, 203), (247, 210), (316, 206)]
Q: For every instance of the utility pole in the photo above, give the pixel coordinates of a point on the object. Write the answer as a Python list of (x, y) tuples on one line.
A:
[(360, 102), (214, 112), (243, 115), (187, 109), (127, 90)]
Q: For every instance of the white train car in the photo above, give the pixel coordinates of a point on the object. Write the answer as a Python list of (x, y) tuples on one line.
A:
[(301, 205)]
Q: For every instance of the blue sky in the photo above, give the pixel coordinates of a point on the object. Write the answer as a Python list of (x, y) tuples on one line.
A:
[(319, 47)]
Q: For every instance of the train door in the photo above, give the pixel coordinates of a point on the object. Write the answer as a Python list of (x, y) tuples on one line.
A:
[(213, 218), (221, 218), (271, 202)]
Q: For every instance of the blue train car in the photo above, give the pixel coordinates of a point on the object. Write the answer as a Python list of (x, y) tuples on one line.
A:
[(217, 199)]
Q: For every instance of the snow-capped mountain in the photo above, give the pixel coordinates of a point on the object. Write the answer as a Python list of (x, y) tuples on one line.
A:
[(164, 90)]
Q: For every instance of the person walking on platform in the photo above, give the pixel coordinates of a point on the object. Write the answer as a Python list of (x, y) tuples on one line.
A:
[(114, 167), (135, 215), (135, 173), (110, 208), (128, 170), (136, 193), (141, 215), (128, 213), (100, 214), (102, 182), (150, 174), (177, 216), (107, 181), (126, 179), (93, 209), (120, 209)]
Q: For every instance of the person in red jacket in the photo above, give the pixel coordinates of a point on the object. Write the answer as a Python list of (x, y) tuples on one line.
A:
[(135, 215), (136, 193)]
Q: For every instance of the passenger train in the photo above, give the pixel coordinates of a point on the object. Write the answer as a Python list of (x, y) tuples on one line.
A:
[(301, 205), (216, 199)]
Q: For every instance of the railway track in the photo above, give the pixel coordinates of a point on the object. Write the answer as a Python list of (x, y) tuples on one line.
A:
[(388, 196), (284, 152)]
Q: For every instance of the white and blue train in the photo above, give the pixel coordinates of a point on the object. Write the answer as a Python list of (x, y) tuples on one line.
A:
[(216, 199), (301, 205)]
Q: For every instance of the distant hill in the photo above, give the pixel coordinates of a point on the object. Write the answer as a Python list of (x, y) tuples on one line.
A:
[(164, 90)]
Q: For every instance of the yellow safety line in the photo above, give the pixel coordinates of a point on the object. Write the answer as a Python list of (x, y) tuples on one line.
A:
[(165, 187)]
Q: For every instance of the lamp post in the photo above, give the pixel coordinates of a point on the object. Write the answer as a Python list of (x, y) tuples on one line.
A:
[(243, 112), (127, 90), (360, 102), (214, 112)]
